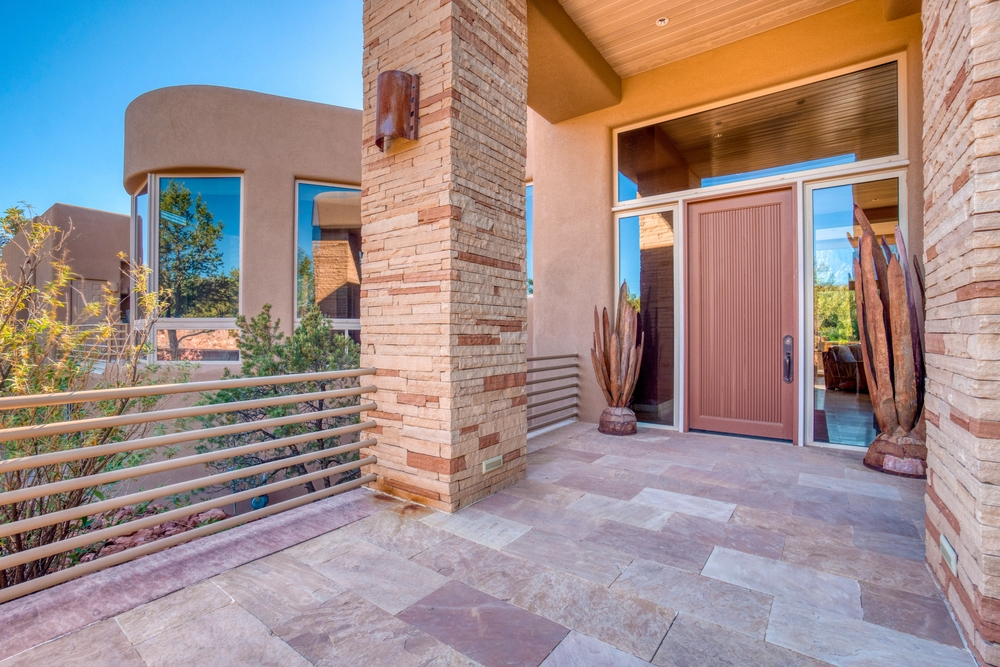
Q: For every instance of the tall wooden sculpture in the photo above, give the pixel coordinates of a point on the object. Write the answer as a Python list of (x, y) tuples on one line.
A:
[(616, 358), (889, 327)]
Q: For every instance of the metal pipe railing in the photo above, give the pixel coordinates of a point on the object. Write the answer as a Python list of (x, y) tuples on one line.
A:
[(91, 395), (61, 576), (541, 378), (37, 467), (96, 423)]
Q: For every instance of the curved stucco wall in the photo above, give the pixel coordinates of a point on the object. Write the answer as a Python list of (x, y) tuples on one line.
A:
[(271, 141)]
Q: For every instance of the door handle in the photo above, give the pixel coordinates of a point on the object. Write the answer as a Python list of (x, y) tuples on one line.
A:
[(787, 346)]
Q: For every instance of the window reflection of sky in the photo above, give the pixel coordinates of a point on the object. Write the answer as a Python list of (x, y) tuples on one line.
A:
[(628, 252), (529, 215), (833, 220), (777, 171), (222, 197), (628, 190)]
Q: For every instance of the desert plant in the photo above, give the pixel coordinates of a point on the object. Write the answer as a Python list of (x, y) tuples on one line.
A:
[(41, 353), (616, 357), (888, 324), (264, 350)]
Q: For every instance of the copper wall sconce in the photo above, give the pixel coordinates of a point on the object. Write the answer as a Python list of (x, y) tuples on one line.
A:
[(397, 98)]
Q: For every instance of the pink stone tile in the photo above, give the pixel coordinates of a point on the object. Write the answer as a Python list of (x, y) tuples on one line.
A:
[(587, 560), (663, 547), (543, 516), (42, 616), (732, 535), (919, 615), (492, 632)]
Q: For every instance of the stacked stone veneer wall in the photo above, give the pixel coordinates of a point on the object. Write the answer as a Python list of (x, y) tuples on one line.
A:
[(961, 152), (443, 299)]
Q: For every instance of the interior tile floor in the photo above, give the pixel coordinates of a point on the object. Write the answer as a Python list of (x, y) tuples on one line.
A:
[(678, 550), (849, 417)]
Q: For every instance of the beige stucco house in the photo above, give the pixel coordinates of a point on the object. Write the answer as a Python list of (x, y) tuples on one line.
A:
[(274, 184), (94, 244), (709, 154)]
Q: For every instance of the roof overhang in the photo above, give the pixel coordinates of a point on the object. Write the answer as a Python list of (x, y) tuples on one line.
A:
[(567, 76)]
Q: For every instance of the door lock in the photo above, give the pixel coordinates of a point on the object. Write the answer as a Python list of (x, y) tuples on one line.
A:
[(787, 345)]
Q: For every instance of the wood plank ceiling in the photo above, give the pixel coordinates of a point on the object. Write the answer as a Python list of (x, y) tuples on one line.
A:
[(626, 34), (854, 113)]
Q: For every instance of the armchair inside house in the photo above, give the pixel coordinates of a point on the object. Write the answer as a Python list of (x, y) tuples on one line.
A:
[(843, 368)]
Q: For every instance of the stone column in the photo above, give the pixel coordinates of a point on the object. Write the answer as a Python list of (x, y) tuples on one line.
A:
[(443, 296), (961, 155)]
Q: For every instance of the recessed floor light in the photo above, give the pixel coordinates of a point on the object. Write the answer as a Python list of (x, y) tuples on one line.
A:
[(662, 21)]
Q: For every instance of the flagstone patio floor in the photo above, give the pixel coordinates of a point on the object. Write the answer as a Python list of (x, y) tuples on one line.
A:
[(683, 550)]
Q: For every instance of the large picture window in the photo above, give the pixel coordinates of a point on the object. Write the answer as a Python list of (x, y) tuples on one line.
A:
[(197, 266), (328, 251), (199, 246)]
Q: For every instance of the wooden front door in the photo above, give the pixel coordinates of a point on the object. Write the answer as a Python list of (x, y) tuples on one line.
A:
[(741, 310)]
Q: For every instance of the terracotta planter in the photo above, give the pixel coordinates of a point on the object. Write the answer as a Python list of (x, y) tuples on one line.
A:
[(617, 421), (901, 455)]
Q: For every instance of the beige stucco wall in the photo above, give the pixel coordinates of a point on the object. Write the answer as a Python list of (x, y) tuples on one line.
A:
[(88, 239), (271, 141), (570, 163)]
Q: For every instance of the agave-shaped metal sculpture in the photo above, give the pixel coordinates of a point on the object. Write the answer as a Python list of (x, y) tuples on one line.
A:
[(616, 358), (889, 329)]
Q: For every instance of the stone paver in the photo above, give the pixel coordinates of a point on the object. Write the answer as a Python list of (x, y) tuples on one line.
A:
[(347, 631), (494, 572), (579, 649), (919, 615), (174, 610), (594, 562), (478, 526), (277, 588), (381, 577), (100, 645), (851, 642), (696, 643), (621, 511), (732, 560), (490, 631), (832, 593), (865, 488), (631, 624), (664, 547), (734, 607), (687, 504), (227, 636)]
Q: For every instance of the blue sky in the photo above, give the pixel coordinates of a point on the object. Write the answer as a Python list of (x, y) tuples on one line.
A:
[(69, 69)]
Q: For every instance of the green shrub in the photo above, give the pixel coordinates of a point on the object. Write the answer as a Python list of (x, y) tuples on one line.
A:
[(265, 351), (41, 353)]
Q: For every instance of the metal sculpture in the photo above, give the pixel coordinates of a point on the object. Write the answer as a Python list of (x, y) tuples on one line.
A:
[(616, 358), (889, 329)]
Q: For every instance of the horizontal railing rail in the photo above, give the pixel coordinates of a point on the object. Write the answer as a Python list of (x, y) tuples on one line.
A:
[(549, 387), (327, 458)]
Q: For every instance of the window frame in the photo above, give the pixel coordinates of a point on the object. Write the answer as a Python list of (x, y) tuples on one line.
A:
[(187, 323), (680, 301), (900, 159)]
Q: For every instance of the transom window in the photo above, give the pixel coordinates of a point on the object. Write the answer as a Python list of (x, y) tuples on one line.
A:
[(841, 120)]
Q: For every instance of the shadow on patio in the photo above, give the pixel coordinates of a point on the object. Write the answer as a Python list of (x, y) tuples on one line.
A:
[(680, 549)]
